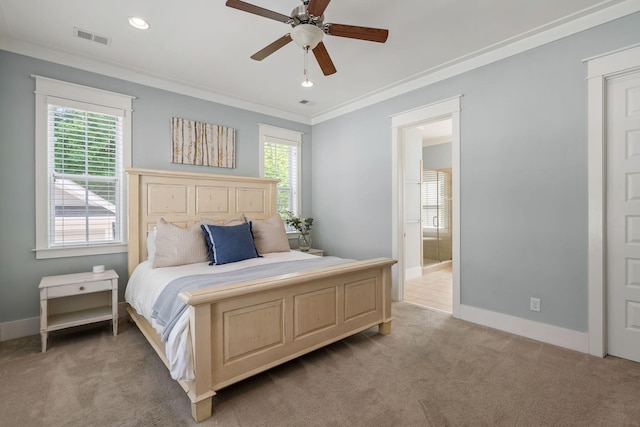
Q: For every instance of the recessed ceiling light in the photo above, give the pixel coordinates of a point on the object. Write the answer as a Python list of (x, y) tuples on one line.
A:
[(138, 22)]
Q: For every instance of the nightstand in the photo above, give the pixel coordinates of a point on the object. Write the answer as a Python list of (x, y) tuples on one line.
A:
[(318, 252), (77, 299)]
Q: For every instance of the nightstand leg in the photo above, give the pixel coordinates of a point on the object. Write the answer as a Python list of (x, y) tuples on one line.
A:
[(114, 306), (43, 338), (44, 320)]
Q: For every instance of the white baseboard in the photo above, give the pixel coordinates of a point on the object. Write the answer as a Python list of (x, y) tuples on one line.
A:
[(27, 327), (19, 328), (567, 338), (550, 334)]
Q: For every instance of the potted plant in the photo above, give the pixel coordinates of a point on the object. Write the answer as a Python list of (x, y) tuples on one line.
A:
[(303, 226)]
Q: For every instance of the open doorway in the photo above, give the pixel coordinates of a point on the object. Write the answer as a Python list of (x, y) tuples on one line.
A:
[(434, 286), (406, 234)]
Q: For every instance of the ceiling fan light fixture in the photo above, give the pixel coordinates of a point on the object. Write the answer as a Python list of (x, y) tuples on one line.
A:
[(139, 23), (306, 35), (306, 82)]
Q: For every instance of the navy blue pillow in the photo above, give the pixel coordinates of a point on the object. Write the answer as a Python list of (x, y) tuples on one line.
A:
[(212, 255), (229, 243)]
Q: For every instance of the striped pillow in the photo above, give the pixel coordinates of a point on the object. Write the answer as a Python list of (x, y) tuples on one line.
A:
[(177, 246)]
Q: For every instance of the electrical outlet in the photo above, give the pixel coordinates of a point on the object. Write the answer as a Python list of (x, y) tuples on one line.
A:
[(534, 304)]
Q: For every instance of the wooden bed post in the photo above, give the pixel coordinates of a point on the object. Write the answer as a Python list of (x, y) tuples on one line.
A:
[(202, 410), (133, 231), (384, 328), (202, 393)]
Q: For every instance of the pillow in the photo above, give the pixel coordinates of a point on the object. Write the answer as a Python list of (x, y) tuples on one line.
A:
[(236, 220), (270, 236), (151, 244), (230, 243), (177, 246), (240, 219)]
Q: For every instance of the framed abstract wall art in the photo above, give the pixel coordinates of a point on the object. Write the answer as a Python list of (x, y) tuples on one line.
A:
[(202, 144)]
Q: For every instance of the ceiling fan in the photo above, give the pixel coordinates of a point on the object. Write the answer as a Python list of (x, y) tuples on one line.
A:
[(308, 28)]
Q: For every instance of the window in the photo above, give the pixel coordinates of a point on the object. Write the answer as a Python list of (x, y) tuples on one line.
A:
[(436, 199), (280, 158), (82, 146)]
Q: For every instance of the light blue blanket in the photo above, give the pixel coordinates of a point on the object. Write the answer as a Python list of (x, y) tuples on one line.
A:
[(168, 307)]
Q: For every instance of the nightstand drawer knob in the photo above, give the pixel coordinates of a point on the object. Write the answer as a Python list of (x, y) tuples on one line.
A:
[(82, 288)]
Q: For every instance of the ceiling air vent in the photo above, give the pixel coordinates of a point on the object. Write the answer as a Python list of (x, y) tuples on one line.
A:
[(88, 35), (304, 101)]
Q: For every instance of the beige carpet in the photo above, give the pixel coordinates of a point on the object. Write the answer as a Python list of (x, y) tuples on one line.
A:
[(432, 370)]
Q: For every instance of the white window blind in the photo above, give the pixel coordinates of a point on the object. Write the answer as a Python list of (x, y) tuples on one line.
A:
[(85, 169), (281, 162), (435, 212), (280, 154)]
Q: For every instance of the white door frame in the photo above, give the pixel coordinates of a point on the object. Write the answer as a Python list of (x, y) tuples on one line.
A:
[(428, 113), (599, 70)]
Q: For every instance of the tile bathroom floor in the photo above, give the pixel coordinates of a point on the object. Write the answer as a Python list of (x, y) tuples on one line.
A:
[(433, 289)]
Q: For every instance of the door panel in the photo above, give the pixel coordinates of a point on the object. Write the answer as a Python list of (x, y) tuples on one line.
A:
[(623, 217), (411, 195)]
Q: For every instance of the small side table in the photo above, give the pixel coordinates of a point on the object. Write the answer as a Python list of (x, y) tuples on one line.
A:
[(77, 299), (318, 252)]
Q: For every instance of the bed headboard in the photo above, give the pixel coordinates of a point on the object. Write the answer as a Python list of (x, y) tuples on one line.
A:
[(185, 198)]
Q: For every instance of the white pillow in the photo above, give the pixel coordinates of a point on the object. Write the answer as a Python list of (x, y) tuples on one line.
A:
[(270, 236), (177, 246)]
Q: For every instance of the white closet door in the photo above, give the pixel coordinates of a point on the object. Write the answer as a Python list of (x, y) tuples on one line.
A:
[(623, 217), (412, 206)]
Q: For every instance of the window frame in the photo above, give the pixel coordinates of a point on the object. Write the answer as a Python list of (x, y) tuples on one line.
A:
[(287, 137), (88, 97)]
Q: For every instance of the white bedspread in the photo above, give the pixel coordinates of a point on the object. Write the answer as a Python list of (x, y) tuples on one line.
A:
[(146, 283)]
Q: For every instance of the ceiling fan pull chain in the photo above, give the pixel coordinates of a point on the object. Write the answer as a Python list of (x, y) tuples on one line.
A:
[(306, 82)]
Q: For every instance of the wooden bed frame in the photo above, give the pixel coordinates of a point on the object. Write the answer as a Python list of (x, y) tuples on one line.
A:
[(244, 328)]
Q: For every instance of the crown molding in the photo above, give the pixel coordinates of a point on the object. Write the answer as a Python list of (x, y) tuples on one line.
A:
[(599, 14), (134, 76)]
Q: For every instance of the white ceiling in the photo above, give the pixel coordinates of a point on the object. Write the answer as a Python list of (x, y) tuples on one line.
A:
[(202, 47), (437, 132)]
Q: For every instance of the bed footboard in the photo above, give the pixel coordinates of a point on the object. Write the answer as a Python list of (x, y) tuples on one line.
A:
[(243, 329)]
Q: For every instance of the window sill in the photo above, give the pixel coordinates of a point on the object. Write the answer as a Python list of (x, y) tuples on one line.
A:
[(75, 251)]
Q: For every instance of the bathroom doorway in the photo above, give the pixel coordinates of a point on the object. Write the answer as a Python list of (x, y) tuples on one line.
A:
[(433, 288), (403, 249)]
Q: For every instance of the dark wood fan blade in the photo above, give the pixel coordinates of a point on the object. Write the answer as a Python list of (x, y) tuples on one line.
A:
[(324, 60), (353, 32), (282, 41), (257, 10), (317, 7)]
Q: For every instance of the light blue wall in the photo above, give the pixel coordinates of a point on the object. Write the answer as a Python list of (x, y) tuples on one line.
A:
[(20, 272), (523, 174), (523, 177), (436, 156)]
